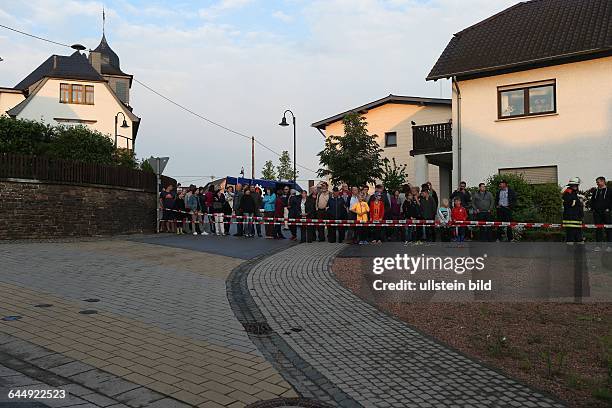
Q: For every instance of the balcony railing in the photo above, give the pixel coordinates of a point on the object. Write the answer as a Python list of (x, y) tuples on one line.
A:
[(435, 138)]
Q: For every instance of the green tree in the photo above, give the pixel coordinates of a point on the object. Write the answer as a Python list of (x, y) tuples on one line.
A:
[(125, 158), (285, 167), (394, 176), (268, 173), (354, 158)]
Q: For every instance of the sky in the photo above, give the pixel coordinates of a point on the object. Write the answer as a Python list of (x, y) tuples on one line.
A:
[(241, 63)]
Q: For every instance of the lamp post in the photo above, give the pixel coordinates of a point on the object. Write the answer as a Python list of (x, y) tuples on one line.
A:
[(284, 123), (124, 125)]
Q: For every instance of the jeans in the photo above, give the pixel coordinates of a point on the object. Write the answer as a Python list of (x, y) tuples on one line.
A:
[(460, 234), (239, 224), (602, 217), (219, 225), (504, 214), (247, 224), (409, 233)]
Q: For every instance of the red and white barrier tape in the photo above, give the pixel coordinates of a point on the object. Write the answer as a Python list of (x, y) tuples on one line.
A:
[(386, 223)]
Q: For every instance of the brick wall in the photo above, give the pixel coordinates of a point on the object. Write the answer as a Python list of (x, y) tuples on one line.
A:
[(30, 209)]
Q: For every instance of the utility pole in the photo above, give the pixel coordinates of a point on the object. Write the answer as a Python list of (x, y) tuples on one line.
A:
[(252, 157)]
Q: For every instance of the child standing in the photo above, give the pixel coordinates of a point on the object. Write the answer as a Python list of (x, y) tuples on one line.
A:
[(361, 209), (444, 218), (459, 213), (377, 213)]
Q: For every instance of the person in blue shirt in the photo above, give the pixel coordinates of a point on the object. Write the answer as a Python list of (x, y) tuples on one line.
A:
[(269, 200)]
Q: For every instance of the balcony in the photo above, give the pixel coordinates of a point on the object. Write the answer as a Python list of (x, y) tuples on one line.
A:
[(434, 138)]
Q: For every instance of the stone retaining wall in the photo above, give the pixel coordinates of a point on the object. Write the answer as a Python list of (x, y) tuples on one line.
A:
[(35, 209)]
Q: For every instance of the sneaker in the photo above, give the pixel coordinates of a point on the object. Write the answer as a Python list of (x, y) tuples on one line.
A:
[(597, 249), (195, 233), (609, 249), (204, 233)]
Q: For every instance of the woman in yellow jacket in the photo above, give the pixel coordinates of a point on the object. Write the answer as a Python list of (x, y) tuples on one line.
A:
[(362, 209)]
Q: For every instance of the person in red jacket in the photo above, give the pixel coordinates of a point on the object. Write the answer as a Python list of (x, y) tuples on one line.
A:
[(459, 213)]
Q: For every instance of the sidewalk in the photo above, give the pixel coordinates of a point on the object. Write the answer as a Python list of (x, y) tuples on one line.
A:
[(137, 324)]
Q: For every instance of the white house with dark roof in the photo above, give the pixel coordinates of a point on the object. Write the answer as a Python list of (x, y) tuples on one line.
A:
[(532, 92), (397, 121), (76, 89)]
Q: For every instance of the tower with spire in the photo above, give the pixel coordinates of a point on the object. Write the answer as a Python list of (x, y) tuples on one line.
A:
[(106, 62)]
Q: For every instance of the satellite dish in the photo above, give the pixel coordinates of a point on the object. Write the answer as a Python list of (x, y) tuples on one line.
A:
[(78, 47)]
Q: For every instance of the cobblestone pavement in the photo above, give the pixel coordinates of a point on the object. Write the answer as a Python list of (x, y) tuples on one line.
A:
[(375, 359), (160, 332)]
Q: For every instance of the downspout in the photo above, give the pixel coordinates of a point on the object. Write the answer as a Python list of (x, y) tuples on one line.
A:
[(456, 86)]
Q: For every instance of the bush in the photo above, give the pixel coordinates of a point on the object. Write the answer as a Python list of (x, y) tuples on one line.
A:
[(82, 144), (125, 158), (78, 143), (534, 202), (24, 136)]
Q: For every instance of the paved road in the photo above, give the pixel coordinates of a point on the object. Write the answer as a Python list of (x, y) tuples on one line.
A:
[(235, 247), (375, 359), (162, 335)]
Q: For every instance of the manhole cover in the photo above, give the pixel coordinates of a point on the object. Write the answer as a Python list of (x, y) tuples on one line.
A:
[(91, 300), (43, 305), (87, 312), (11, 318), (289, 403), (259, 328)]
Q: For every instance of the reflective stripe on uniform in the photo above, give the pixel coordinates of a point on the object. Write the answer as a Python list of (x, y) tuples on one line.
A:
[(572, 224)]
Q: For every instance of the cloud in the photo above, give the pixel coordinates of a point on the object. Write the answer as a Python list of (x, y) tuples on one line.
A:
[(222, 6), (282, 16), (344, 54)]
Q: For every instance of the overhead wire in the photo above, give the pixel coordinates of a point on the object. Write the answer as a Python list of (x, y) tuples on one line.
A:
[(168, 99)]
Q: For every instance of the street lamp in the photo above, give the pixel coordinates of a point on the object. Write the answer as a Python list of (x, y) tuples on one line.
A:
[(284, 123), (124, 125)]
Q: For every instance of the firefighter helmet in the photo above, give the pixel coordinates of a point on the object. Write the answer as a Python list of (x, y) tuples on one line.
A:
[(574, 181)]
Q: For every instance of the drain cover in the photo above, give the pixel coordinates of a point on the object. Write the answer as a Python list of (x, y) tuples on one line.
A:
[(289, 403), (88, 312), (259, 328), (91, 300), (43, 305), (11, 318)]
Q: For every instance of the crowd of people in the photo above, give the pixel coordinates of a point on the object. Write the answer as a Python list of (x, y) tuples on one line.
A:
[(194, 210)]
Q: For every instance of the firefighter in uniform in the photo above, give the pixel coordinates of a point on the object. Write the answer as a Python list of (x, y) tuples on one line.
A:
[(573, 211)]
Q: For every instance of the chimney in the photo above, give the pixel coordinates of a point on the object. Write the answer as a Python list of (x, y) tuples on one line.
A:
[(55, 62), (95, 59)]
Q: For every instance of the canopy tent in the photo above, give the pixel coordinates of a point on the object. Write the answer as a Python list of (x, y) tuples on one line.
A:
[(273, 184)]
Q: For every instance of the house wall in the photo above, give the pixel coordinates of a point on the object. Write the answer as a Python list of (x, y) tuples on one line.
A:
[(8, 100), (45, 105), (396, 118), (577, 139)]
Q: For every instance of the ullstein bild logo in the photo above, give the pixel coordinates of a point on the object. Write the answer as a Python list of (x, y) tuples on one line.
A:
[(412, 264)]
